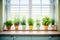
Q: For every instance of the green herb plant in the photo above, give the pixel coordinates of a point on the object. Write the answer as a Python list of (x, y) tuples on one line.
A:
[(30, 21), (8, 23), (46, 21)]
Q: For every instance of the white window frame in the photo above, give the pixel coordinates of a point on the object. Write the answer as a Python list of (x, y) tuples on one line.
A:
[(30, 9)]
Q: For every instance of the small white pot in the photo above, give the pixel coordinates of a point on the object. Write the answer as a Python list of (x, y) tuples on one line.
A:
[(53, 27), (38, 27), (23, 27)]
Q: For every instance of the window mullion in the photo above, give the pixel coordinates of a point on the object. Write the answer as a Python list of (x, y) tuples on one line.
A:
[(51, 9), (30, 8), (8, 9)]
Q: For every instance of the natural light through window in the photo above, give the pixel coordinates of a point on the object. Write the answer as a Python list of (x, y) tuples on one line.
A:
[(36, 9)]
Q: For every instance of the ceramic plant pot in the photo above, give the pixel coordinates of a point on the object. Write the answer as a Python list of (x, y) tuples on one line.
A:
[(45, 27), (30, 27), (53, 27), (23, 27), (38, 27), (8, 27), (16, 26)]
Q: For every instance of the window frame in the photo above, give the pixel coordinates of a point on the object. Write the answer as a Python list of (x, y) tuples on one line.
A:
[(30, 9)]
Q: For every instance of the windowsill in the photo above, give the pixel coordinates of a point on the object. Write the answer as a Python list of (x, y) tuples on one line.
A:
[(30, 33), (31, 30)]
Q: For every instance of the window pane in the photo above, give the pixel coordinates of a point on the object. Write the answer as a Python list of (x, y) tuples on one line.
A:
[(46, 9), (36, 2), (36, 16), (15, 2), (19, 8), (14, 8), (36, 9), (45, 14), (45, 2), (23, 8), (24, 2)]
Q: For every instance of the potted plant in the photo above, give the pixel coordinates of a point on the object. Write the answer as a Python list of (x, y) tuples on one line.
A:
[(38, 24), (46, 22), (16, 23), (8, 24), (30, 22), (23, 22), (53, 24)]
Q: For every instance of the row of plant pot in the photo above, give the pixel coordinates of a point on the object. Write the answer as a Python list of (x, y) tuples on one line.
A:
[(45, 21)]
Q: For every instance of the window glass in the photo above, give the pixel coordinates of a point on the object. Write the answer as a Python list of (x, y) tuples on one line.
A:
[(37, 9)]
